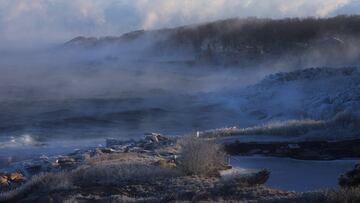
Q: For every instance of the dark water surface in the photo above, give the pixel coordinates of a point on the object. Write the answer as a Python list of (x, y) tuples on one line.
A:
[(112, 117), (297, 175), (33, 128)]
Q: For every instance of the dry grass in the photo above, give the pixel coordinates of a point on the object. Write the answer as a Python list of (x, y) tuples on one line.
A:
[(199, 157), (342, 120), (124, 199), (103, 171), (292, 127), (120, 173), (103, 158), (114, 169), (40, 183), (345, 195)]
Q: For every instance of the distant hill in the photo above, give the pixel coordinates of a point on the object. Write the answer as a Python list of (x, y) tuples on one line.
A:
[(251, 41), (82, 41)]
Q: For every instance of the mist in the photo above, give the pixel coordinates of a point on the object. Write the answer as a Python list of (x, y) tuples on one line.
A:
[(107, 84), (95, 74), (144, 64)]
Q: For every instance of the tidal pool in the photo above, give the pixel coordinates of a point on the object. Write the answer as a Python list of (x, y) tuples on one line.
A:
[(297, 175)]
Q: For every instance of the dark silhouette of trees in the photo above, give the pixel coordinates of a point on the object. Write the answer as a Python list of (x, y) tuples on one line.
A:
[(284, 34)]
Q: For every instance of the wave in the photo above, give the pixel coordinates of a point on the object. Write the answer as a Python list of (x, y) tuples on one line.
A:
[(20, 141)]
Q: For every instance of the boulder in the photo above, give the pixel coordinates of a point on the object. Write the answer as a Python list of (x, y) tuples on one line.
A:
[(155, 137), (351, 178), (11, 180), (259, 178), (4, 180), (65, 161), (107, 150), (17, 177), (244, 178), (162, 138), (152, 137)]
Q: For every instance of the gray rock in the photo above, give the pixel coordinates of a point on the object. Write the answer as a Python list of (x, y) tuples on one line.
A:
[(65, 161), (107, 150), (155, 137)]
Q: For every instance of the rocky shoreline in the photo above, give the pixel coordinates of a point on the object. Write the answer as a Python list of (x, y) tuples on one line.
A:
[(153, 169), (147, 170), (74, 159)]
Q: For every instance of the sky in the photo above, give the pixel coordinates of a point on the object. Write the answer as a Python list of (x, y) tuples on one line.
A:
[(30, 22)]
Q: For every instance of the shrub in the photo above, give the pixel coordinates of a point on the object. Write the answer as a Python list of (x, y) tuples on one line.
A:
[(199, 157)]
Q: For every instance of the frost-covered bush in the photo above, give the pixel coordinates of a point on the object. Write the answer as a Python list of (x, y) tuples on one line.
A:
[(200, 157)]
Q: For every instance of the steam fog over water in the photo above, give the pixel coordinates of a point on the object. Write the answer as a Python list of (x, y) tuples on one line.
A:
[(79, 95), (54, 96)]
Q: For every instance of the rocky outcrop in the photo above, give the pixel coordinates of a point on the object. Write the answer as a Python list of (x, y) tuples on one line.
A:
[(351, 178), (151, 141), (152, 144), (155, 137), (65, 161), (11, 180)]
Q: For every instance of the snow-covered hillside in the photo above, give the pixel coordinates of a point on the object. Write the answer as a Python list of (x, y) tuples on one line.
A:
[(316, 93)]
